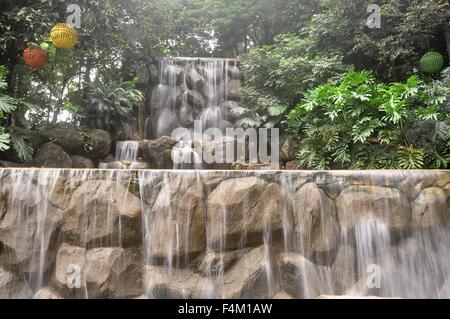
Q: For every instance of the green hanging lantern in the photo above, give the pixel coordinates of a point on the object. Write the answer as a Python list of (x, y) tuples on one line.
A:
[(431, 62)]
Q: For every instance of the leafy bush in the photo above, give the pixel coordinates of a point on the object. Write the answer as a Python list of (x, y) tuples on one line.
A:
[(358, 123), (109, 105)]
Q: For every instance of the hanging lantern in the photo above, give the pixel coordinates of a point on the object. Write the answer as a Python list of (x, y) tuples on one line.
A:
[(431, 62), (64, 36), (35, 57)]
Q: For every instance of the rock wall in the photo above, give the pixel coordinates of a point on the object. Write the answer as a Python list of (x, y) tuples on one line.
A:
[(237, 234)]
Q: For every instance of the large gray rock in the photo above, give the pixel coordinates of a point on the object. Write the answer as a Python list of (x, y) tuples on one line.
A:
[(81, 162), (100, 144), (102, 213), (430, 208), (47, 293), (28, 224), (11, 287), (252, 276), (158, 153), (195, 99), (68, 139), (52, 156), (344, 269), (316, 227), (69, 261), (242, 210), (194, 79), (176, 221), (386, 205), (301, 278), (163, 283)]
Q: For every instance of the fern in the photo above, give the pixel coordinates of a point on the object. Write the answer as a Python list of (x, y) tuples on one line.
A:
[(4, 140)]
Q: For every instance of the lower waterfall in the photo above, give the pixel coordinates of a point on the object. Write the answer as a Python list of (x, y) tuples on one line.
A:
[(223, 234)]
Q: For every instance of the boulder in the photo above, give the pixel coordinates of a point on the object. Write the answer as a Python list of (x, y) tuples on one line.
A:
[(316, 227), (69, 140), (158, 153), (292, 165), (176, 222), (386, 205), (283, 295), (244, 210), (69, 260), (100, 144), (165, 283), (160, 98), (195, 99), (28, 225), (216, 263), (47, 293), (430, 208), (215, 152), (11, 287), (51, 155), (288, 149), (229, 107), (103, 270), (173, 74), (252, 276), (100, 213), (194, 79), (301, 278), (81, 162), (344, 269)]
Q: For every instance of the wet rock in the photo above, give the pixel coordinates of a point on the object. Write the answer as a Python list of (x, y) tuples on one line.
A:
[(194, 79), (104, 266), (100, 144), (173, 74), (70, 262), (230, 108), (161, 97), (414, 184), (430, 208), (186, 115), (214, 263), (344, 271), (288, 150), (102, 213), (164, 283), (52, 156), (251, 276), (316, 226), (47, 293), (195, 99), (283, 295), (292, 165), (301, 278), (249, 206), (27, 221), (11, 287), (386, 205), (216, 156), (158, 153), (176, 222), (81, 162), (143, 76)]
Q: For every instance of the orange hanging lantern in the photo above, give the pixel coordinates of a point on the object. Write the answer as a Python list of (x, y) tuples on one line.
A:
[(35, 57), (64, 36)]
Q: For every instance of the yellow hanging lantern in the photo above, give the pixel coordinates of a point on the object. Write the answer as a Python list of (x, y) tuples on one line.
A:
[(64, 36)]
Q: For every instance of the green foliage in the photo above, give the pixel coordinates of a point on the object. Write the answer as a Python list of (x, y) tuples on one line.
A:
[(359, 123), (108, 105)]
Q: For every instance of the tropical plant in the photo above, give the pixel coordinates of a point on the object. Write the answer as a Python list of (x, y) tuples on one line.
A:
[(109, 105), (359, 123), (7, 105)]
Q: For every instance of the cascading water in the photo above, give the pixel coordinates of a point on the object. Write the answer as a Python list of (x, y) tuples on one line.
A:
[(127, 151), (217, 234)]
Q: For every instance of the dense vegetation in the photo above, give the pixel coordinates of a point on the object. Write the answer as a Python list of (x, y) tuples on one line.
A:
[(353, 97)]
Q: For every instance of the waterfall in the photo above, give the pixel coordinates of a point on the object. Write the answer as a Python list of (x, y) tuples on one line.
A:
[(127, 151), (223, 234)]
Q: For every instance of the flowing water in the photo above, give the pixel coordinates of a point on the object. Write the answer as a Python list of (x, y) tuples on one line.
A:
[(218, 234), (127, 151)]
